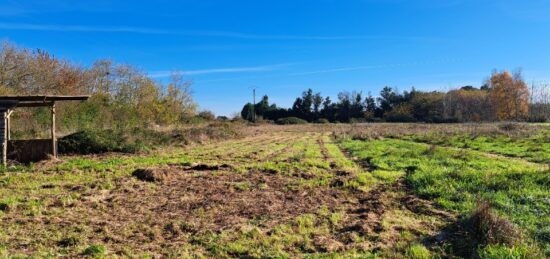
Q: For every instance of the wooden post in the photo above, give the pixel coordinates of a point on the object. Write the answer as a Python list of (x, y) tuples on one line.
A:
[(54, 140), (8, 124), (4, 139)]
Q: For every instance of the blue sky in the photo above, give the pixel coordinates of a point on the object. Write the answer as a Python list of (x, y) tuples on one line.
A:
[(286, 46)]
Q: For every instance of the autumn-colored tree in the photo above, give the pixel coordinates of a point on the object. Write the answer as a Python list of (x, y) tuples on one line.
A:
[(122, 96), (469, 105), (510, 95)]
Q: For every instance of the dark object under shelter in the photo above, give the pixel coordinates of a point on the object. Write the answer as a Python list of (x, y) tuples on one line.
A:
[(26, 151)]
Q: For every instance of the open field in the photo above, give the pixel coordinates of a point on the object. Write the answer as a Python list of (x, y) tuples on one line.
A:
[(334, 191)]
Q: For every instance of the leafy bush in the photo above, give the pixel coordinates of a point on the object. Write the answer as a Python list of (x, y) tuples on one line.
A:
[(401, 113), (138, 139), (400, 118), (94, 142), (290, 120), (207, 115), (537, 119)]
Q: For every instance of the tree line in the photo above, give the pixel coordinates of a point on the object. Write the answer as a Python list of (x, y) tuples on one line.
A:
[(122, 96), (504, 97)]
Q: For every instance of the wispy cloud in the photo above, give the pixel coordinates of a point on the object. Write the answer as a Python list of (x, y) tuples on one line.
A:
[(395, 65), (228, 70), (218, 34)]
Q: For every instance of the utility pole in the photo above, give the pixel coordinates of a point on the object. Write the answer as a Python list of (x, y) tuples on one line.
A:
[(254, 105)]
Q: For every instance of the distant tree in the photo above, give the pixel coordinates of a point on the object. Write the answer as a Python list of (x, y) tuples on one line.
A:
[(388, 99), (357, 108), (303, 106), (247, 112), (400, 113), (370, 104), (509, 95), (317, 102), (468, 105), (427, 106), (262, 107), (207, 115), (468, 88)]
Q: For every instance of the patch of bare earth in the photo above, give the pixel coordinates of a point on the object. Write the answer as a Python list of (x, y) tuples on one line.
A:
[(382, 215), (160, 209)]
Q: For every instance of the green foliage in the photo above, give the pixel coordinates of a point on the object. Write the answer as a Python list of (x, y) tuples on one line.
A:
[(95, 142), (207, 115), (122, 96), (138, 139), (290, 120), (518, 190), (535, 147)]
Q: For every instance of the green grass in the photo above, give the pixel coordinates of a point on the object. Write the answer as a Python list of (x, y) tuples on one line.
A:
[(282, 241), (535, 148), (518, 190), (452, 177)]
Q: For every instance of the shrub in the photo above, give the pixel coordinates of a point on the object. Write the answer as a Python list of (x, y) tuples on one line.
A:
[(207, 115), (401, 113), (400, 118), (95, 142), (139, 139), (322, 121), (537, 119), (290, 120)]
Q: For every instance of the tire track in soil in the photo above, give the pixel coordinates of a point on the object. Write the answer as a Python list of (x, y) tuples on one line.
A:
[(235, 145), (221, 152), (259, 155), (366, 214), (340, 176), (324, 151)]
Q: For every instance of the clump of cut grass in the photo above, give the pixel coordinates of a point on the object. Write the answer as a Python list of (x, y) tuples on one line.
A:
[(490, 229), (96, 251), (4, 207), (418, 251), (507, 252), (149, 175), (70, 241), (243, 186)]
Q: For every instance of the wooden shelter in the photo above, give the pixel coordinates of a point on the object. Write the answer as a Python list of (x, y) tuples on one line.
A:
[(29, 150)]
